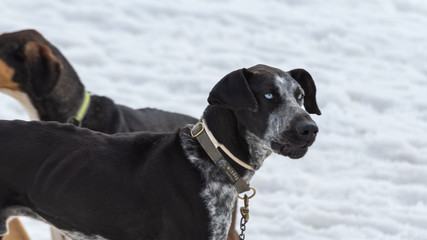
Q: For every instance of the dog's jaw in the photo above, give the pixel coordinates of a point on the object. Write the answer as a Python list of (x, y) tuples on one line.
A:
[(259, 150)]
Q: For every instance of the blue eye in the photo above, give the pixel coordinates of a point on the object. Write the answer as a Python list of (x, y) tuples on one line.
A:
[(268, 96), (300, 97)]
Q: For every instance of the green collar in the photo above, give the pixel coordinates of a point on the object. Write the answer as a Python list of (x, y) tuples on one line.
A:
[(78, 118)]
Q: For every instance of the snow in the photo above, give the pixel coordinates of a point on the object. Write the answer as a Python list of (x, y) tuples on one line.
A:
[(366, 175)]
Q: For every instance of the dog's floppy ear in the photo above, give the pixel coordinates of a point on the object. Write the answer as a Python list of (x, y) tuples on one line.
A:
[(233, 92), (44, 68), (307, 83)]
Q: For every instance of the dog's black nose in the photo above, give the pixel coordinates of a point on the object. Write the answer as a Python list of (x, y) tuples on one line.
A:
[(307, 130)]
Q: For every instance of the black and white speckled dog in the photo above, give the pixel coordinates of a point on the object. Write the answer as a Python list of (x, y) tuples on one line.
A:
[(155, 186)]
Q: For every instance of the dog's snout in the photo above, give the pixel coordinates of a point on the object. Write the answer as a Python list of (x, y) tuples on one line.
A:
[(307, 130)]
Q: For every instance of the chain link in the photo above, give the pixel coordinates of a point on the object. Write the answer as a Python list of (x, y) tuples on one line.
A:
[(243, 228), (244, 211)]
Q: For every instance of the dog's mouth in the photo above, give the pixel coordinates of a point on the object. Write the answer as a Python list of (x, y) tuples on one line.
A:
[(290, 150)]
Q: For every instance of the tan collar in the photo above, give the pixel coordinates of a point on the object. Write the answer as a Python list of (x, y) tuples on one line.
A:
[(224, 148), (211, 145)]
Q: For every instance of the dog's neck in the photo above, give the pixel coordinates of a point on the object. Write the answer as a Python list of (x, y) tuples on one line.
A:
[(100, 116), (218, 193), (246, 146), (240, 142), (61, 104)]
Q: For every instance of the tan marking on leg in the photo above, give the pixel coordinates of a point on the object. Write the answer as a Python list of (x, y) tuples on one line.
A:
[(6, 76), (16, 231)]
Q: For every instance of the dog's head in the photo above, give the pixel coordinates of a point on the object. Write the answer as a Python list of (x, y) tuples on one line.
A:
[(273, 105), (27, 64)]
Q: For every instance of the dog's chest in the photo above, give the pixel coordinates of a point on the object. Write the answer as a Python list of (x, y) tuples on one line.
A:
[(219, 201), (218, 194)]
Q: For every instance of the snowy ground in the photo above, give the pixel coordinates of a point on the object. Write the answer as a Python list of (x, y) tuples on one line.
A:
[(364, 178)]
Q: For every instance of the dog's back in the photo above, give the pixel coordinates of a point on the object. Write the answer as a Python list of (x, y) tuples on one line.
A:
[(30, 144), (68, 175)]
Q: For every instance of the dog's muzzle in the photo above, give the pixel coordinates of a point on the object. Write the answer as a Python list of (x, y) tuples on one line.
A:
[(295, 143)]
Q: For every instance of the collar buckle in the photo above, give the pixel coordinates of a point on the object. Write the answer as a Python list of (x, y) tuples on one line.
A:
[(199, 125)]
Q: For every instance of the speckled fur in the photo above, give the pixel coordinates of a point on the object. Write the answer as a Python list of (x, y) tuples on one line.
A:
[(219, 195), (259, 150), (259, 147), (79, 236), (281, 118)]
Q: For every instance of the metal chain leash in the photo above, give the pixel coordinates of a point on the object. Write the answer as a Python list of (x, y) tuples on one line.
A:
[(245, 217), (244, 211)]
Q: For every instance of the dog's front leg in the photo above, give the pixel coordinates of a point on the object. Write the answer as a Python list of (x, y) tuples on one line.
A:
[(17, 231)]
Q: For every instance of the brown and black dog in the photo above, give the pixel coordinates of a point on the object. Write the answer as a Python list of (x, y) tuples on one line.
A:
[(35, 72)]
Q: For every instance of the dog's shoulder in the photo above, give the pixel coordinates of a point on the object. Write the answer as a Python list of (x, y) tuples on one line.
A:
[(151, 142)]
